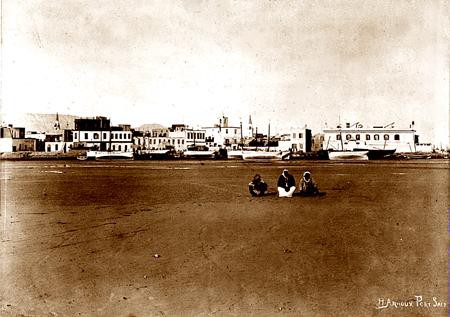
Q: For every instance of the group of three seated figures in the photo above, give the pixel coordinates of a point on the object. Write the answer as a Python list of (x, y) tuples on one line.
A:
[(286, 185)]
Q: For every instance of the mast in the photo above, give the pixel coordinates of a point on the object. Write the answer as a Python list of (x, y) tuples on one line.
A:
[(268, 138), (241, 136)]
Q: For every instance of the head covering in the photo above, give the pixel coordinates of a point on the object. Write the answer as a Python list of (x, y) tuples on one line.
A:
[(285, 171), (257, 178), (305, 174)]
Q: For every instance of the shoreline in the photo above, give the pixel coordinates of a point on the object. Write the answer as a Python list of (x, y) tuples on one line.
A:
[(70, 156)]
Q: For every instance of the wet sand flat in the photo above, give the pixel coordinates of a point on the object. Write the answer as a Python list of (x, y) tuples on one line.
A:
[(80, 238)]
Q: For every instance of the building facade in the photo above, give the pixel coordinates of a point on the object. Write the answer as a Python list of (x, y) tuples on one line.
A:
[(98, 134), (12, 139), (223, 135), (379, 137), (297, 140)]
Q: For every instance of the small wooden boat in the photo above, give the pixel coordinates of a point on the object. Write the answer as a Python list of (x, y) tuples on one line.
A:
[(348, 155), (109, 155), (199, 152), (154, 155), (265, 155), (376, 154), (418, 156)]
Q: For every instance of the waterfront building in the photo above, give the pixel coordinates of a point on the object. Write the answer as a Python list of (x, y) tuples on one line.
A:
[(223, 135), (158, 139), (61, 142), (98, 134), (12, 139), (182, 136), (296, 140), (350, 136), (317, 142)]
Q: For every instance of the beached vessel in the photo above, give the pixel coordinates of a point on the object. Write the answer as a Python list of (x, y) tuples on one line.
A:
[(418, 156), (199, 152), (265, 155), (154, 154), (235, 154), (348, 155), (107, 155), (376, 154)]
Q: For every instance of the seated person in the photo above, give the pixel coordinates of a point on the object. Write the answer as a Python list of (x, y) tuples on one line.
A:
[(257, 187), (286, 184), (307, 185)]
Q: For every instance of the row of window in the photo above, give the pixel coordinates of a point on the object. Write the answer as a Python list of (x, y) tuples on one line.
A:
[(119, 147), (294, 135), (375, 137), (96, 136), (195, 135)]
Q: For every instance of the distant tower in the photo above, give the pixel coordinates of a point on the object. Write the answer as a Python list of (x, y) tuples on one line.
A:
[(57, 125), (250, 126)]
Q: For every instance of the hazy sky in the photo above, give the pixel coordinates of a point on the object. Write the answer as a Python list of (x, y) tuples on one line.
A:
[(287, 62)]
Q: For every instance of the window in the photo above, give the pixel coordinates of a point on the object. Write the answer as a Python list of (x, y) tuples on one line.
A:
[(56, 147), (358, 137), (86, 136), (294, 135), (75, 135), (126, 147), (96, 136), (119, 147), (386, 137), (376, 137), (348, 136), (301, 146), (226, 131), (104, 136), (120, 136), (182, 141), (300, 135), (235, 131), (368, 137), (178, 141), (338, 136), (397, 137)]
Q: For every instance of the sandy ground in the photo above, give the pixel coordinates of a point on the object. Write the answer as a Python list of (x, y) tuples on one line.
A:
[(79, 239)]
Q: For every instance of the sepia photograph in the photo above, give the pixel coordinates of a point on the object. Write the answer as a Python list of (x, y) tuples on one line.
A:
[(224, 158)]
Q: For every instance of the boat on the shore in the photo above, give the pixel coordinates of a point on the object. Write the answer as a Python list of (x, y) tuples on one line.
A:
[(376, 154), (235, 154), (154, 154), (199, 152), (106, 155), (348, 155), (265, 155), (418, 156)]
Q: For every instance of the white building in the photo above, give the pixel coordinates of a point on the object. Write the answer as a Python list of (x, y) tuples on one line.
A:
[(223, 135), (380, 137), (181, 137), (296, 140)]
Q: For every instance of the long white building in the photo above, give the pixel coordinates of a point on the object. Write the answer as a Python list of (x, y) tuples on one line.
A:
[(404, 140)]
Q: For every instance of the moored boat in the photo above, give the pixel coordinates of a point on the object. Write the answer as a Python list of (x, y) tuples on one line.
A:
[(265, 155), (108, 155), (199, 152), (154, 154), (376, 154), (348, 155)]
